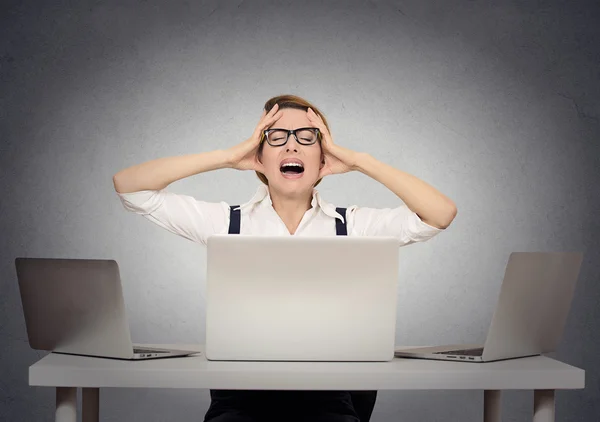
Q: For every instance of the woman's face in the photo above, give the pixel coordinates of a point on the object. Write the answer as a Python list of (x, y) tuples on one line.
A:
[(297, 179)]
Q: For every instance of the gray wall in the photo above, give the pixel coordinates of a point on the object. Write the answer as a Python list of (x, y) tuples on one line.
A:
[(496, 104)]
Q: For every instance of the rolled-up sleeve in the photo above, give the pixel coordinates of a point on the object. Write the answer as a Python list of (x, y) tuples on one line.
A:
[(401, 223), (180, 214)]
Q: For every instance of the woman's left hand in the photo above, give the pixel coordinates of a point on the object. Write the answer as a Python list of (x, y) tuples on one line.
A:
[(337, 159)]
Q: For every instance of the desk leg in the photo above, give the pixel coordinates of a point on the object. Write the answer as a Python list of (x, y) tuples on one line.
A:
[(90, 405), (492, 404), (543, 406), (66, 404)]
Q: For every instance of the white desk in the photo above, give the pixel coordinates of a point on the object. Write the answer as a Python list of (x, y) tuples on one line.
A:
[(66, 373)]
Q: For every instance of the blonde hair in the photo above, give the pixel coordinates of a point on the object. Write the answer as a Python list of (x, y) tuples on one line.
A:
[(288, 101)]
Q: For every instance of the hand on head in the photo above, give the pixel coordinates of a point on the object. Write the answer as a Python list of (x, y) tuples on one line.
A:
[(244, 155), (337, 160)]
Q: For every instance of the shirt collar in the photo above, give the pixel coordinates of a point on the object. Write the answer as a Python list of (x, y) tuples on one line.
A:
[(262, 194)]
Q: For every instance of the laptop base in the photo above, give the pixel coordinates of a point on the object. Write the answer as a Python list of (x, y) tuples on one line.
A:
[(444, 352), (148, 353)]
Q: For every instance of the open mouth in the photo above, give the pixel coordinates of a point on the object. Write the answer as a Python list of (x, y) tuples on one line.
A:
[(292, 169)]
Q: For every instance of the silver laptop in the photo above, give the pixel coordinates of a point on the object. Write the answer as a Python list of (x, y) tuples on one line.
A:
[(290, 298), (531, 312), (76, 306)]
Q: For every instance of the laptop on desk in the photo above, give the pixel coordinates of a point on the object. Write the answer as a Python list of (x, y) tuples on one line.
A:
[(76, 306), (535, 298), (293, 298)]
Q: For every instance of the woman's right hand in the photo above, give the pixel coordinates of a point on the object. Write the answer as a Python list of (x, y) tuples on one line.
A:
[(244, 156)]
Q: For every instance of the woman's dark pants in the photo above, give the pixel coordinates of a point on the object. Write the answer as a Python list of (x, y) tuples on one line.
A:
[(277, 405)]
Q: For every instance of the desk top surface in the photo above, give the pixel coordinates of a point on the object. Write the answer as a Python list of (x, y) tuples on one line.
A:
[(197, 372)]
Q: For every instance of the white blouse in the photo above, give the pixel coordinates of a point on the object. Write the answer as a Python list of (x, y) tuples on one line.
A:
[(196, 220)]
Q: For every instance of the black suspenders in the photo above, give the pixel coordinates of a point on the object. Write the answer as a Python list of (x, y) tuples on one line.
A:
[(235, 221), (340, 227)]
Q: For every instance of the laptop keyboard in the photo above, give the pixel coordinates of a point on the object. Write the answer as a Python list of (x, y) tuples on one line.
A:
[(136, 350), (464, 352)]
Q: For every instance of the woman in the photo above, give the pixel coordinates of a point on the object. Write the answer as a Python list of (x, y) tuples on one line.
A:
[(291, 150)]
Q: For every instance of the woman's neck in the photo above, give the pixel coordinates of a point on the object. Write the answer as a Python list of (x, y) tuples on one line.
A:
[(291, 208)]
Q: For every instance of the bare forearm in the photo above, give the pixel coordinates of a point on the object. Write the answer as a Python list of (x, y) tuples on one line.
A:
[(433, 207), (158, 174)]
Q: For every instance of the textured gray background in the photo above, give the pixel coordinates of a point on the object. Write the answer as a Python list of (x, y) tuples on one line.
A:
[(496, 104)]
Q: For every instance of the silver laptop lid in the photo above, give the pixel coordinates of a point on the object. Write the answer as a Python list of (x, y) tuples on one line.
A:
[(301, 298), (534, 302), (74, 306)]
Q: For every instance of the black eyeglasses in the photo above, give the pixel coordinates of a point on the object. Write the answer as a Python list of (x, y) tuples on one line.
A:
[(304, 136)]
